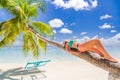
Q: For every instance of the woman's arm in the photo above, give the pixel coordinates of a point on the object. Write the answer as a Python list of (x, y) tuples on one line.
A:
[(75, 52)]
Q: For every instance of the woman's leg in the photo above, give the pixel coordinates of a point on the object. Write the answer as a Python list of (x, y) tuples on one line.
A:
[(88, 46), (95, 50)]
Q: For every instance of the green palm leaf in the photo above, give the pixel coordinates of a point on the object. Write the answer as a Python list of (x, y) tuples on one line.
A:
[(30, 44), (31, 10), (12, 7), (41, 44), (25, 46), (3, 3), (23, 10), (9, 34), (6, 27), (42, 6), (42, 28)]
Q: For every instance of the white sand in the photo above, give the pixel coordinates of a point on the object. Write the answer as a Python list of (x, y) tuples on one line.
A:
[(65, 70)]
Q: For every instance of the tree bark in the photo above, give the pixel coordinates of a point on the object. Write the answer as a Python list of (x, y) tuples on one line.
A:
[(92, 58), (113, 76)]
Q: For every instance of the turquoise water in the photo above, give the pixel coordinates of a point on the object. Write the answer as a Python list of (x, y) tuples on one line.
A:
[(15, 54)]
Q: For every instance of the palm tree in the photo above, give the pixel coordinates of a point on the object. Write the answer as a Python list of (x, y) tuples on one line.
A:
[(33, 31), (23, 10)]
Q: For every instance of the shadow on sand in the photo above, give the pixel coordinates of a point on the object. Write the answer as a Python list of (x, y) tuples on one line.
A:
[(20, 72)]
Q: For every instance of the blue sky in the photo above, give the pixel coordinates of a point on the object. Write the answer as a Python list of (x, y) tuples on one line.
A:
[(82, 20)]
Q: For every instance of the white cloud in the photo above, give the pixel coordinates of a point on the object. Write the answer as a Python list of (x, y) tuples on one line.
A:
[(83, 33), (55, 23), (106, 16), (76, 4), (65, 30), (83, 39), (86, 38), (112, 41), (94, 3), (54, 31), (94, 37), (74, 37), (106, 26), (113, 31)]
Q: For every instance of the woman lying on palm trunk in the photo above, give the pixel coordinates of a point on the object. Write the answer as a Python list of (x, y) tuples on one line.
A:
[(94, 46)]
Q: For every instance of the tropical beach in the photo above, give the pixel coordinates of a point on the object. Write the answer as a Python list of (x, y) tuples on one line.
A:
[(67, 67), (70, 70), (34, 34), (63, 70)]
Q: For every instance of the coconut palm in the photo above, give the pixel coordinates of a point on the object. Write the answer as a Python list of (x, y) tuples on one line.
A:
[(33, 31), (23, 10)]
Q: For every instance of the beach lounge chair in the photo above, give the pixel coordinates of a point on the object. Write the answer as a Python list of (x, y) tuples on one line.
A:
[(29, 71), (32, 65)]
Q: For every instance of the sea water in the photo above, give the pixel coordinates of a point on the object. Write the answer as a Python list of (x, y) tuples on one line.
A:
[(15, 54)]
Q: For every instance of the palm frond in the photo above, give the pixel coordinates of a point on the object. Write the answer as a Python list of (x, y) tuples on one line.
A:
[(23, 10), (13, 7), (42, 6), (3, 3), (41, 44), (32, 10), (25, 46), (30, 45), (5, 27), (10, 37), (43, 29), (9, 30), (23, 1), (31, 1)]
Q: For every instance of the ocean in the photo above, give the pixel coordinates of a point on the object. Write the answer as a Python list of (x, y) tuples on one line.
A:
[(15, 54), (63, 66)]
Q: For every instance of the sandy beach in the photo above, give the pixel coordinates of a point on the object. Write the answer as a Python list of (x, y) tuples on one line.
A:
[(63, 70), (62, 66), (38, 30)]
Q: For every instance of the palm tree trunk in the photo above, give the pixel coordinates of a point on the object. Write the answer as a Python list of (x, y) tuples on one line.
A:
[(92, 58), (113, 76)]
